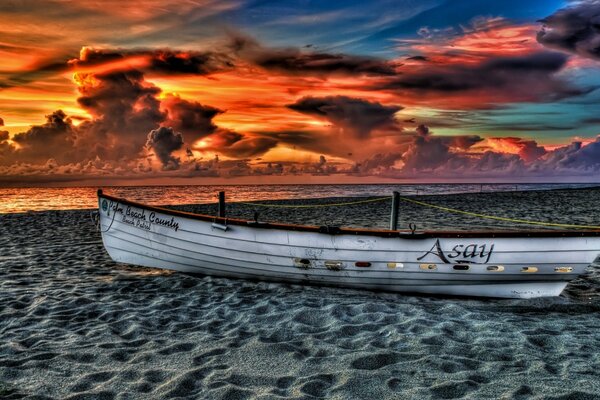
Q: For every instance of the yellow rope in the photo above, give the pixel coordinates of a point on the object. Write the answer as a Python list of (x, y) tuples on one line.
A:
[(520, 221), (447, 209), (315, 205)]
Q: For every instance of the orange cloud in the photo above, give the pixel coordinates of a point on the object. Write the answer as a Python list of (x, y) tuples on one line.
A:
[(494, 38)]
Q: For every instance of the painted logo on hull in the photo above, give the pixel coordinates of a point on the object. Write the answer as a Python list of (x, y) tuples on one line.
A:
[(140, 219), (471, 253)]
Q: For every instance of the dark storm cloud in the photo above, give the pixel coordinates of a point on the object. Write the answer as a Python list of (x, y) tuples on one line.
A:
[(193, 119), (249, 147), (124, 109), (575, 29), (428, 152), (164, 141), (314, 141), (295, 61), (355, 116), (234, 144), (422, 130), (195, 63), (174, 62), (530, 77), (160, 60), (417, 58), (53, 139)]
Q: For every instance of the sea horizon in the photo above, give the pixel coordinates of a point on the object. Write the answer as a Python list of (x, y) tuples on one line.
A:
[(29, 199)]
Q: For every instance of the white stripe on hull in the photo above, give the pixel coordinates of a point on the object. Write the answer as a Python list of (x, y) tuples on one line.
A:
[(272, 254), (281, 267)]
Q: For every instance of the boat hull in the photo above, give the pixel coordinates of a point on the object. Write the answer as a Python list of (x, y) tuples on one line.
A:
[(511, 267)]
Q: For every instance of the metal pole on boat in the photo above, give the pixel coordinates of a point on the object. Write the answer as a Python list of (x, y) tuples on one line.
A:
[(221, 204), (395, 207)]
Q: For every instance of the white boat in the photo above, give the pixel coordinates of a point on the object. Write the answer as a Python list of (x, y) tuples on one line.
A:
[(491, 264)]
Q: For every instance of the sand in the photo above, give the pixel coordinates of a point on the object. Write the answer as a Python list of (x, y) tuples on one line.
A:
[(75, 325)]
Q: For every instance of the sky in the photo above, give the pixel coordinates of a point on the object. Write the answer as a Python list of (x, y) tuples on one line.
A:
[(234, 91)]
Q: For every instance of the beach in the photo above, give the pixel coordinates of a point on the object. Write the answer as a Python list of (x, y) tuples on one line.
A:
[(75, 325)]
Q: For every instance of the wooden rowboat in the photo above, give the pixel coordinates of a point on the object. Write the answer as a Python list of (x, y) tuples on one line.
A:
[(491, 264)]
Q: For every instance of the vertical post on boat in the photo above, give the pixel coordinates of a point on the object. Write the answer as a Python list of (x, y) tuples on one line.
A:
[(221, 204), (395, 207)]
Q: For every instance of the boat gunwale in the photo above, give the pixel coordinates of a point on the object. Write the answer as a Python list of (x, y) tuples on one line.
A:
[(334, 230)]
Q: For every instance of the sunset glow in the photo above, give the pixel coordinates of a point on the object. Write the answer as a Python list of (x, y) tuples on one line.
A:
[(98, 89)]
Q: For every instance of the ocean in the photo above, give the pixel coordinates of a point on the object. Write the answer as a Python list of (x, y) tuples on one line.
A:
[(15, 200)]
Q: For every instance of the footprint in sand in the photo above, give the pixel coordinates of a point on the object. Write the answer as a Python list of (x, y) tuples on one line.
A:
[(88, 381), (375, 361), (318, 385), (178, 348), (453, 390)]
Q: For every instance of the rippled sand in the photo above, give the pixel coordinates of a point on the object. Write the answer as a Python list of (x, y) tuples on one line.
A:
[(75, 325)]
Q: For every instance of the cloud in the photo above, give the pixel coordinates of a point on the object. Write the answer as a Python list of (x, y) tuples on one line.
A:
[(483, 38), (575, 29), (234, 144), (458, 156), (166, 61), (36, 71), (295, 61), (420, 153), (1, 122), (158, 61), (164, 141), (528, 150), (378, 164), (418, 58), (422, 130), (354, 116), (530, 77), (191, 118), (575, 159), (496, 164), (427, 154), (124, 108), (53, 139)]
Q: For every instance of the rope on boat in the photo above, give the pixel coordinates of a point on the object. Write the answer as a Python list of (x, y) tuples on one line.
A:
[(97, 223), (485, 216), (315, 205), (422, 203)]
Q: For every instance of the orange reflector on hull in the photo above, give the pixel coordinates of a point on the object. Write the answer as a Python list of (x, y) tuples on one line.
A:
[(563, 269), (529, 269), (362, 264)]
